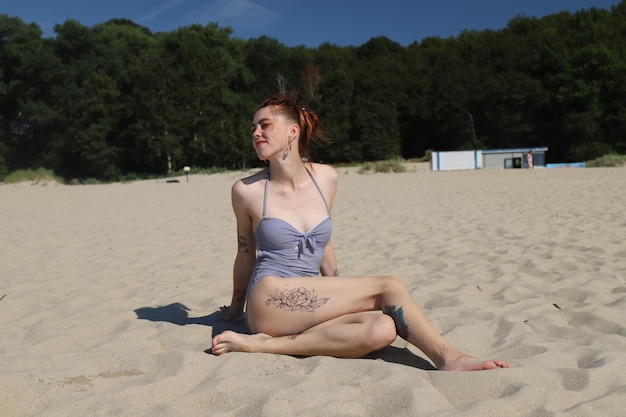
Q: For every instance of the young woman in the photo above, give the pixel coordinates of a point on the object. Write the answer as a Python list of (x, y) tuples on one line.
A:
[(284, 230)]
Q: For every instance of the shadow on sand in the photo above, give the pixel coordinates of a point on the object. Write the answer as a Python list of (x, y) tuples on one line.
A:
[(178, 313)]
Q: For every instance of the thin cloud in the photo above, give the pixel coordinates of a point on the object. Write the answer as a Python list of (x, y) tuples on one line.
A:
[(247, 18), (167, 6), (239, 13)]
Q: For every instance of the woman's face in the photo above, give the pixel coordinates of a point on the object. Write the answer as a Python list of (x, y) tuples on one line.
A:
[(270, 133)]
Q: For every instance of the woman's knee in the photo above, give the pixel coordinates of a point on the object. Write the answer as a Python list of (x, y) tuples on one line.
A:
[(382, 332), (392, 284)]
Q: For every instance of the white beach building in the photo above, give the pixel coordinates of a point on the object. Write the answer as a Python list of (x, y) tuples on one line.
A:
[(488, 159)]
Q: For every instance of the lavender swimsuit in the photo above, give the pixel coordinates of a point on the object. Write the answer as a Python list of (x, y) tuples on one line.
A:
[(285, 252)]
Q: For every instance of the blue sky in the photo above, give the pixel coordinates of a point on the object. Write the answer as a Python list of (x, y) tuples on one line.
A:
[(300, 22)]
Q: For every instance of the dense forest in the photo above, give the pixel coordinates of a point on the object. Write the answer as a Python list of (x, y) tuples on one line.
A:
[(113, 99)]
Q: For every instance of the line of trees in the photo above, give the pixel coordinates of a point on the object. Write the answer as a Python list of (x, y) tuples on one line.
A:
[(114, 99)]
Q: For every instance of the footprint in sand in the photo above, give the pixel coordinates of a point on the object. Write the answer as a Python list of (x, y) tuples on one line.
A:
[(574, 379)]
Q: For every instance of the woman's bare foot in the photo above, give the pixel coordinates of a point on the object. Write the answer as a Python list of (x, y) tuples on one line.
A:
[(469, 363), (230, 341)]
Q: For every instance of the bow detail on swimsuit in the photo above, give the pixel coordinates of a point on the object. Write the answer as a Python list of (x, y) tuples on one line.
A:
[(307, 241)]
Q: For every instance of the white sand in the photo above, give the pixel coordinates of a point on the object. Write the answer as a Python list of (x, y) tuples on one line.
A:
[(110, 293)]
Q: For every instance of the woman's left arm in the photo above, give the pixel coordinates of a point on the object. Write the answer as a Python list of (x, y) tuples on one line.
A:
[(329, 266), (330, 176)]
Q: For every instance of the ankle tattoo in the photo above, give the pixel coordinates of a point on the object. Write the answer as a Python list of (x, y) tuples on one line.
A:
[(443, 351)]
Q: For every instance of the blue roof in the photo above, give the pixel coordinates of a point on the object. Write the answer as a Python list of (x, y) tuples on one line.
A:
[(514, 150)]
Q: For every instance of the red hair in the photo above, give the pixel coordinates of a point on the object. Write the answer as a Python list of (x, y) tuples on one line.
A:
[(288, 106)]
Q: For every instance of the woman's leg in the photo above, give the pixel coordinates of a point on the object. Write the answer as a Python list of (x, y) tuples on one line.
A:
[(283, 307), (350, 336)]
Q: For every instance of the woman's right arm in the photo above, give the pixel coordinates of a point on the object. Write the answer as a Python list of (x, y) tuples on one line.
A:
[(246, 254)]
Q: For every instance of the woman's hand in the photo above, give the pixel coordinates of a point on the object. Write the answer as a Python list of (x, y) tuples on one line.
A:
[(229, 314)]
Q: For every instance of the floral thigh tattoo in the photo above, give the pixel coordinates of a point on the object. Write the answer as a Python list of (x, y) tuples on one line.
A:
[(296, 299)]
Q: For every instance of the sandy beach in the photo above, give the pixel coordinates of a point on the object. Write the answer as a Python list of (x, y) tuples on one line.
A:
[(109, 293)]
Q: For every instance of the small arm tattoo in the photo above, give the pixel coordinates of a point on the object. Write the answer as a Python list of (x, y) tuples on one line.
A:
[(242, 244), (240, 295)]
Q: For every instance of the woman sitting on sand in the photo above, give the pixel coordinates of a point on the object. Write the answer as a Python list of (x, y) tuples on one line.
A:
[(284, 230)]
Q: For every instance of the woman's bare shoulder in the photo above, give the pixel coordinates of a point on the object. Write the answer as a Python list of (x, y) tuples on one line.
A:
[(251, 180), (248, 187), (327, 177), (324, 171)]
